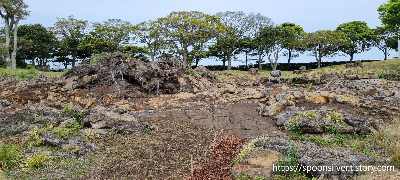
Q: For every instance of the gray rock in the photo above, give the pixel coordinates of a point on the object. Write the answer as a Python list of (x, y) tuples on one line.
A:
[(4, 104), (313, 125), (130, 128)]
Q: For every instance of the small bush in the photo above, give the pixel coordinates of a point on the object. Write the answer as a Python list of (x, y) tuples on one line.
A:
[(36, 161), (34, 135), (294, 127), (10, 155)]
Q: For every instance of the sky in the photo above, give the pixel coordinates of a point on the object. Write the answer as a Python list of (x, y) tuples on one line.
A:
[(312, 15)]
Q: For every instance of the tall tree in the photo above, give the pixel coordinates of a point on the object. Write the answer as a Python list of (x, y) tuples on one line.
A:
[(274, 39), (112, 33), (384, 40), (186, 28), (257, 21), (134, 51), (291, 40), (149, 34), (360, 35), (12, 11), (390, 17), (248, 46), (42, 42), (237, 25), (324, 43), (71, 31)]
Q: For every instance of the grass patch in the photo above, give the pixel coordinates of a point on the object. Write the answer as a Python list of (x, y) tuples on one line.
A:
[(26, 73), (289, 159), (389, 138), (10, 156)]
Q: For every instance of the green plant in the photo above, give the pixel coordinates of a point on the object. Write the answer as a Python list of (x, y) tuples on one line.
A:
[(396, 161), (10, 155), (36, 161), (204, 74), (34, 134), (112, 133), (289, 159), (331, 130), (61, 133)]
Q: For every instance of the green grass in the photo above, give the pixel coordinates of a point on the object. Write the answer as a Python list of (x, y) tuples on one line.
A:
[(26, 73), (10, 155)]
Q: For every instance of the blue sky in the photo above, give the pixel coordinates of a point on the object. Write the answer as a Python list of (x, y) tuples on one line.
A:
[(312, 15)]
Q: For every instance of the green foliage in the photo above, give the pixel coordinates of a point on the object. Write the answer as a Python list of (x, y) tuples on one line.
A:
[(187, 28), (396, 161), (324, 43), (34, 135), (112, 133), (331, 130), (10, 155), (289, 159), (36, 161), (95, 58), (360, 34), (336, 117), (109, 35), (388, 13), (338, 142)]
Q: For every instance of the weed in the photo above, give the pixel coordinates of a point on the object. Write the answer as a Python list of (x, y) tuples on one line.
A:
[(34, 135), (112, 133), (289, 159), (204, 74), (331, 130), (36, 161), (10, 155), (247, 149)]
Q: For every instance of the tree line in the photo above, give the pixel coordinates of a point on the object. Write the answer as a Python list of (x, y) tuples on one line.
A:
[(191, 35)]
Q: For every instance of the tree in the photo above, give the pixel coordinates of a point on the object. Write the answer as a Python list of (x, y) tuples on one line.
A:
[(197, 53), (71, 31), (111, 34), (274, 39), (360, 35), (324, 43), (384, 40), (291, 40), (134, 51), (148, 33), (12, 11), (257, 21), (247, 45), (39, 42), (237, 25), (184, 29), (390, 17)]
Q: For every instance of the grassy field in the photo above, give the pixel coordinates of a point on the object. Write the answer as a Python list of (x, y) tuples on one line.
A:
[(27, 73), (376, 67)]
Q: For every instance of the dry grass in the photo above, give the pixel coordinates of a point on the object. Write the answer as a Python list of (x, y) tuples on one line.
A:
[(389, 138), (168, 152)]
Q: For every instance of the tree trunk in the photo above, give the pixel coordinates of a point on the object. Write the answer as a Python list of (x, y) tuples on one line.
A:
[(317, 57), (246, 62), (386, 53), (14, 52), (229, 61), (259, 58), (290, 57), (351, 57), (223, 64), (33, 62), (398, 49), (7, 49), (73, 57), (185, 55)]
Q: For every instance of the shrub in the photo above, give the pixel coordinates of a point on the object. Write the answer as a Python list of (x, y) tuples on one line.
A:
[(294, 127), (10, 155), (34, 135), (36, 161)]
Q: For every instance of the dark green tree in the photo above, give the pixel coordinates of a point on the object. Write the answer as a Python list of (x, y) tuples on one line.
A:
[(360, 35)]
